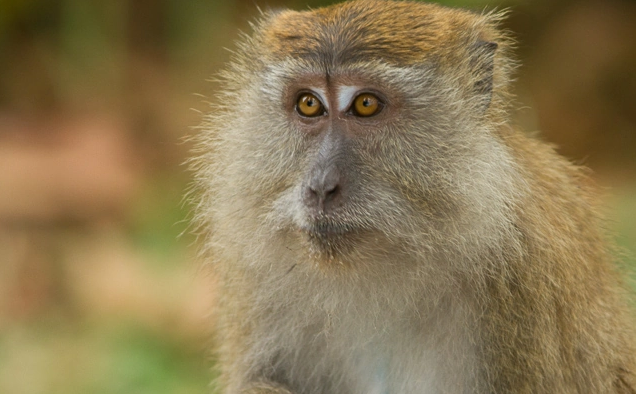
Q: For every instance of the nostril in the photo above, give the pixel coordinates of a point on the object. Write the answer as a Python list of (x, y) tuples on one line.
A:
[(311, 196), (332, 192), (312, 192)]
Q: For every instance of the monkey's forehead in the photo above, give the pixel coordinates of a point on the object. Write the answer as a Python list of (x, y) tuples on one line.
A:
[(397, 32)]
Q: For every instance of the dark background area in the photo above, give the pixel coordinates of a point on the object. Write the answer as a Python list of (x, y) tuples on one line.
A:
[(99, 283)]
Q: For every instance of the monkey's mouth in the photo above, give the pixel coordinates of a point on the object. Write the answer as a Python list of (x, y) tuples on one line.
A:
[(327, 226), (327, 229), (331, 238)]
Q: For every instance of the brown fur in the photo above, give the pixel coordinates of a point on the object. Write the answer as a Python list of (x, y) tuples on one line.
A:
[(472, 257)]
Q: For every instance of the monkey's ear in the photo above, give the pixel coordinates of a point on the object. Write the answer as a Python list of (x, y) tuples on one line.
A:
[(482, 63)]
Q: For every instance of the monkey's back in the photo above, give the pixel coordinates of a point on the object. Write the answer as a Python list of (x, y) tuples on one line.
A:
[(565, 300)]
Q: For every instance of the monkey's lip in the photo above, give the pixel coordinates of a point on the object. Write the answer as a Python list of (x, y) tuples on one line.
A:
[(327, 229)]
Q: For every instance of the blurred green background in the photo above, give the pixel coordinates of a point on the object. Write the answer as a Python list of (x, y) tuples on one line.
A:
[(99, 293)]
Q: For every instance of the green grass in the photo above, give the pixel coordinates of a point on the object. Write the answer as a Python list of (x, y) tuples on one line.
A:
[(57, 357), (624, 223), (142, 362)]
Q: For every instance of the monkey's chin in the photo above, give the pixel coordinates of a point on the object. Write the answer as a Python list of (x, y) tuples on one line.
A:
[(331, 243)]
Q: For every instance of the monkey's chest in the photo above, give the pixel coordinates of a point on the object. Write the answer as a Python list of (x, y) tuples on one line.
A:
[(348, 355)]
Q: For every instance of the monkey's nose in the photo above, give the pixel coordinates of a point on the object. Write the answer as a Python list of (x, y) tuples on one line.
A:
[(324, 189)]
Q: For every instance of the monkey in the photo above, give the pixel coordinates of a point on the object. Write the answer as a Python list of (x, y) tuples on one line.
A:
[(377, 224)]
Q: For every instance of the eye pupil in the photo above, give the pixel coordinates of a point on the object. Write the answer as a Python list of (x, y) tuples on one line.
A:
[(308, 105), (366, 105)]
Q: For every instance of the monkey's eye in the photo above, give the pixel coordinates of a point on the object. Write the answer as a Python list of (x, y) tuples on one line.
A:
[(309, 105), (366, 105)]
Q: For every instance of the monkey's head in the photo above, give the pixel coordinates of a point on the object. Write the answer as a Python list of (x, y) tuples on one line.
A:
[(368, 127)]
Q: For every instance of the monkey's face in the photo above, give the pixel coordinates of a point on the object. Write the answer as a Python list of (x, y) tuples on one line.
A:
[(370, 151), (343, 120), (344, 133)]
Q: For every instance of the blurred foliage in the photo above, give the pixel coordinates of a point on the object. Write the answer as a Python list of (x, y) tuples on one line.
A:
[(97, 288), (157, 233), (60, 357)]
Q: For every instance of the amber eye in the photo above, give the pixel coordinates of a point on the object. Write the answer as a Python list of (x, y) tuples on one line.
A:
[(309, 105), (366, 104)]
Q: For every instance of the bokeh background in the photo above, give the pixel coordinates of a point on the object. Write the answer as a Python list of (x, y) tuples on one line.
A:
[(99, 283)]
